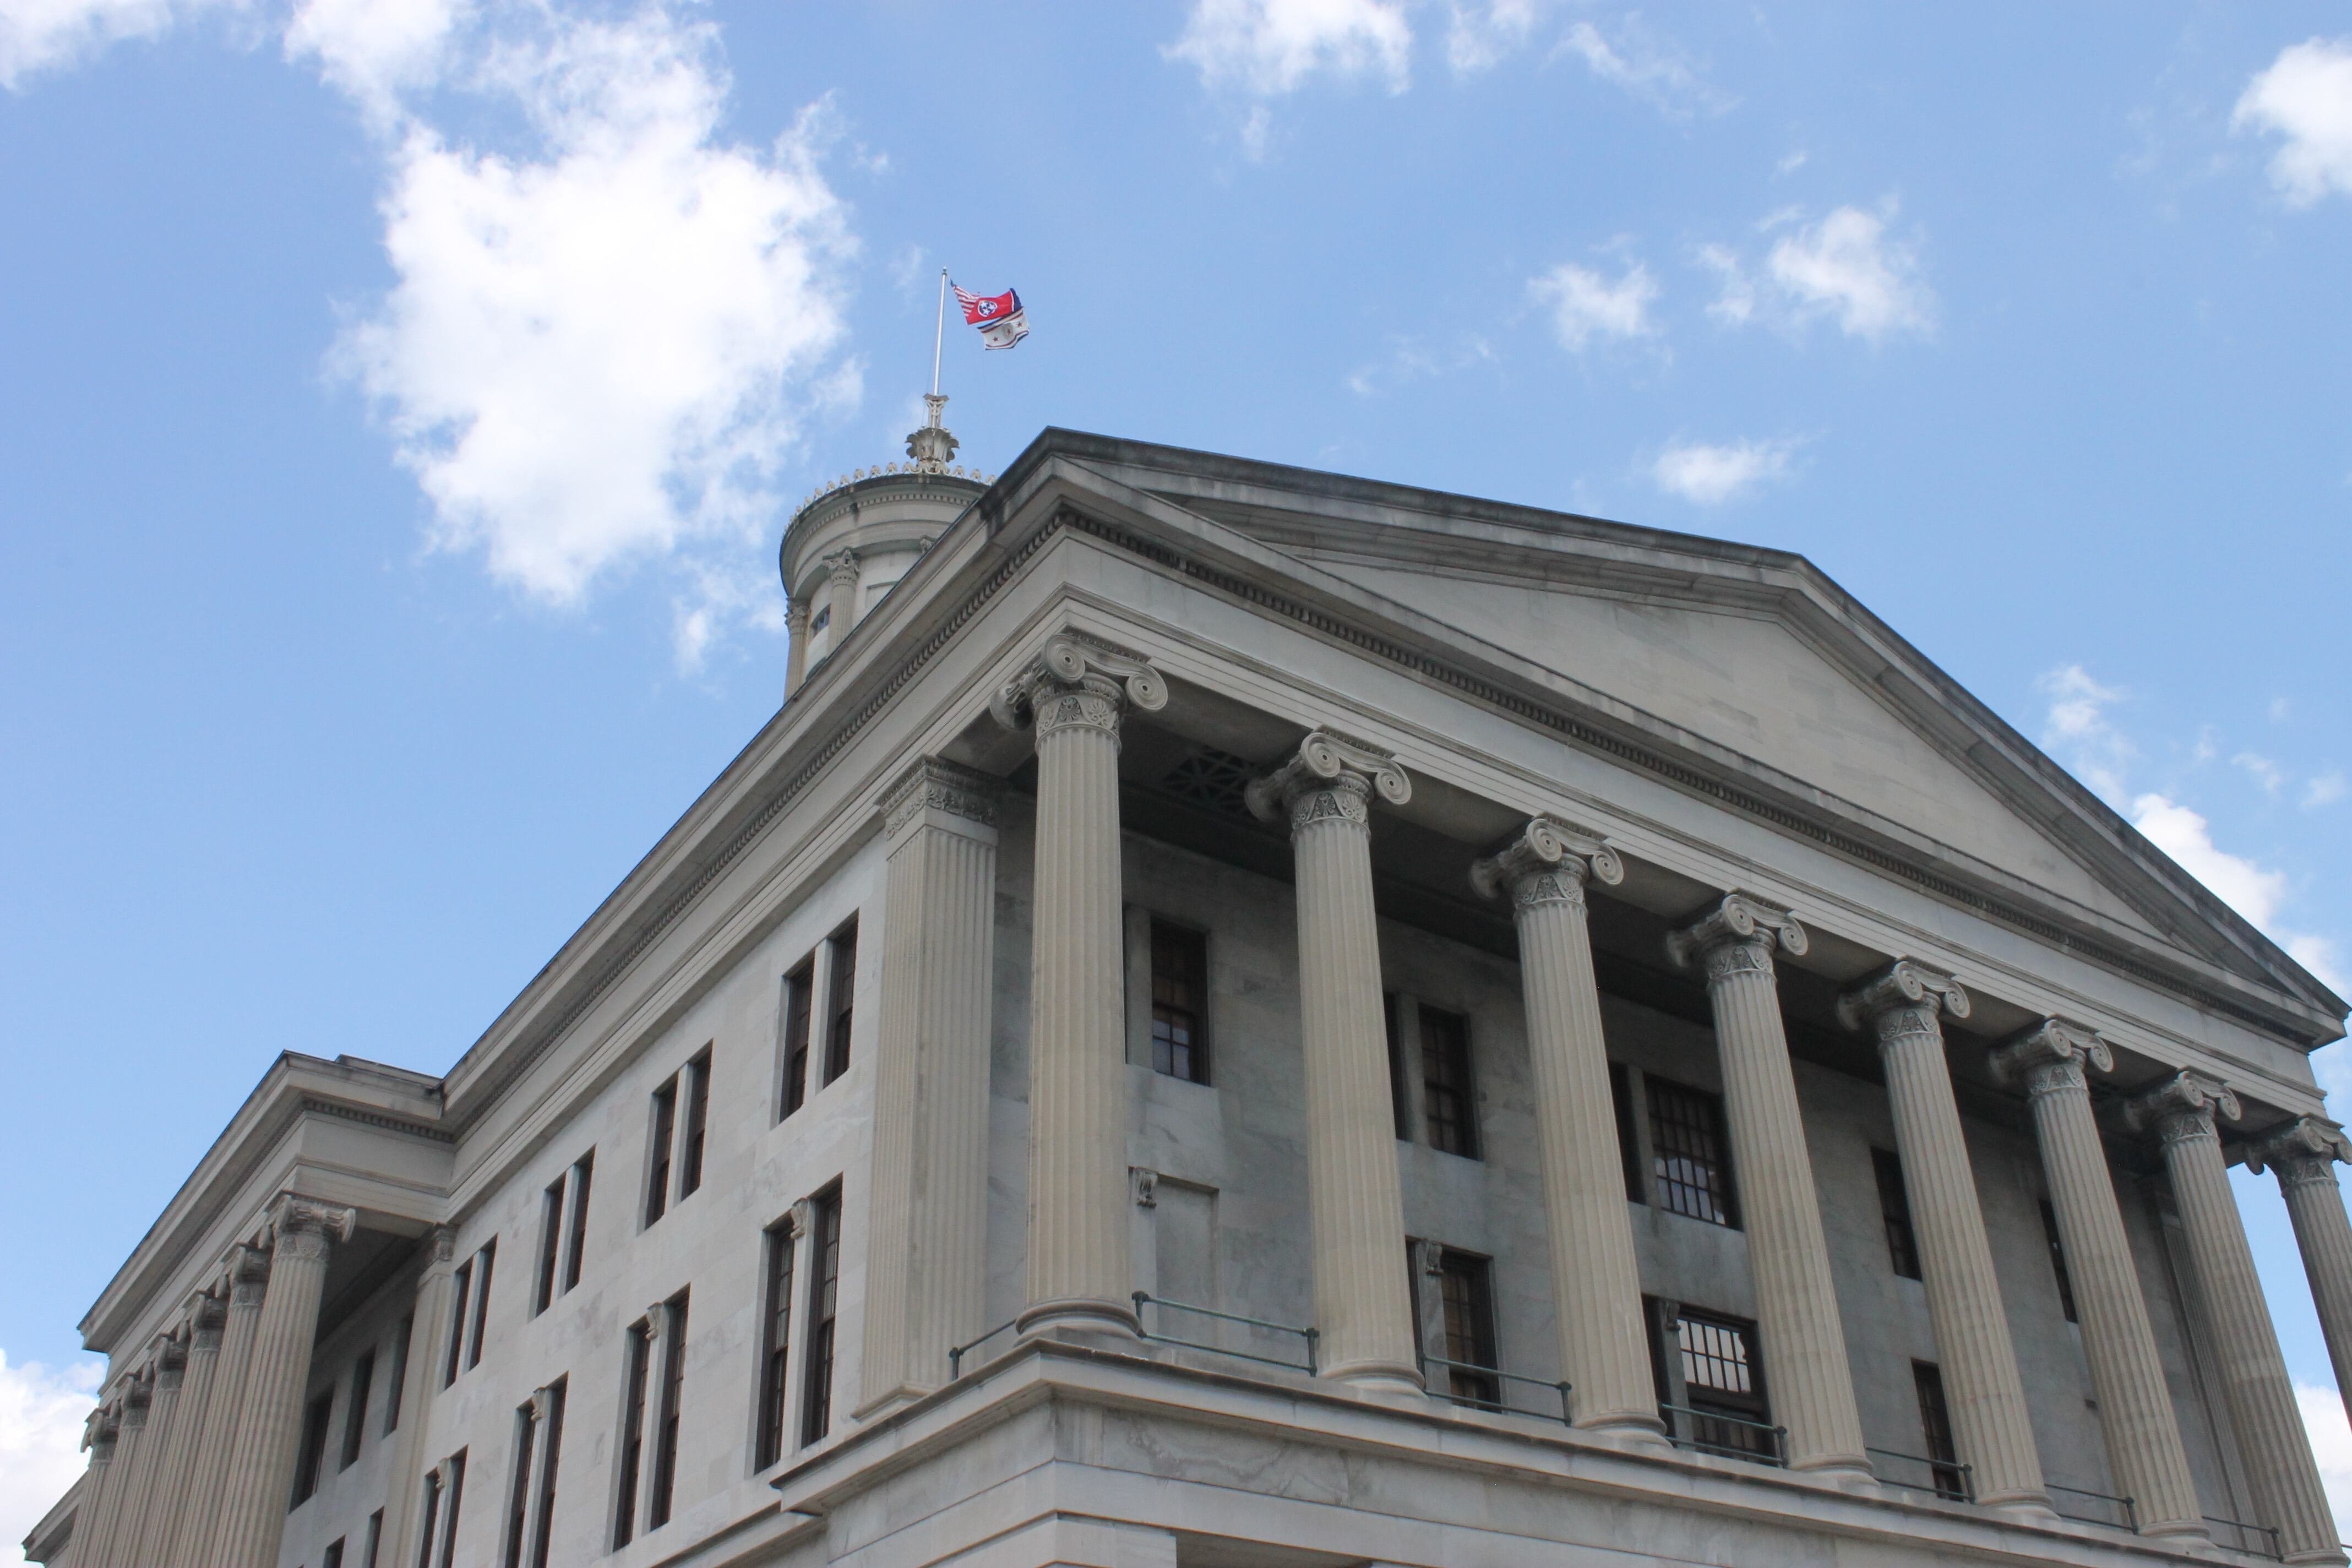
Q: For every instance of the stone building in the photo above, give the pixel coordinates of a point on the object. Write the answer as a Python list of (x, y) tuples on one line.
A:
[(1243, 1018)]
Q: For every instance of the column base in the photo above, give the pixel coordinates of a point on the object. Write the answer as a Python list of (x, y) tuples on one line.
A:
[(891, 1399), (1835, 1466), (1375, 1376), (1079, 1315), (2177, 1529), (2317, 1554), (1635, 1424), (2023, 1504)]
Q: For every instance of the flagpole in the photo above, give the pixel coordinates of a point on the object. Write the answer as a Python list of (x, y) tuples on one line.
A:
[(938, 333)]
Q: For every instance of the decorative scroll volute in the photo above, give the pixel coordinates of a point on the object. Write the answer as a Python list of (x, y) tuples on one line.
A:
[(2303, 1150), (2051, 1054), (1549, 862), (2185, 1105), (1904, 998), (1073, 681), (1329, 775), (1738, 934)]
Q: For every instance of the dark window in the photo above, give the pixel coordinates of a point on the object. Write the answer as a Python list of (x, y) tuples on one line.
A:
[(519, 1498), (398, 1386), (484, 1258), (313, 1457), (800, 995), (824, 1278), (460, 1284), (334, 1557), (1620, 1100), (1936, 1427), (576, 1248), (1396, 1069), (840, 993), (355, 1415), (555, 1451), (657, 1169), (633, 1432), (375, 1540), (551, 1246), (1465, 1285), (698, 1122), (431, 1518), (1179, 1001), (1689, 1158), (2058, 1261), (449, 1514), (776, 1345), (1723, 1376), (665, 1433), (1449, 1109), (1895, 1209)]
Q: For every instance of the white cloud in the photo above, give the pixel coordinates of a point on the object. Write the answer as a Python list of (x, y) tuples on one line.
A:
[(1734, 301), (374, 51), (1643, 65), (42, 1410), (2326, 790), (1478, 37), (1585, 305), (44, 35), (2255, 890), (1266, 47), (2263, 771), (1846, 267), (2305, 97), (2078, 724), (2331, 1445), (1710, 476)]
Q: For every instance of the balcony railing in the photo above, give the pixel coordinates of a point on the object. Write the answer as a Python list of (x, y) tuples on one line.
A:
[(1473, 1375), (2255, 1540), (957, 1352), (1944, 1477), (1309, 1336), (2103, 1507), (1731, 1437)]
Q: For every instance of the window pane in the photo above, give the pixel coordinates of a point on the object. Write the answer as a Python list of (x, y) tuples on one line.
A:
[(483, 1261), (313, 1453), (355, 1415), (658, 1166), (775, 1350), (799, 996), (816, 1398), (840, 993), (519, 1486), (666, 1435), (1448, 1106), (463, 1283), (1936, 1427), (698, 1122), (550, 1245), (633, 1434), (1180, 967), (577, 1249), (1465, 1287), (2058, 1261), (1894, 1208), (1620, 1100), (545, 1525), (1396, 1067), (1689, 1159), (1723, 1381)]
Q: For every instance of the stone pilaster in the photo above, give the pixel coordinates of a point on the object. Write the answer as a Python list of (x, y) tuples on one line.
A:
[(1075, 693), (169, 1496), (842, 582), (2302, 1155), (128, 1424), (1362, 1304), (1901, 1007), (924, 1264), (1596, 1282), (2145, 1456), (796, 634), (1796, 1304), (103, 1438), (269, 1419), (192, 1536), (2279, 1463), (405, 1501), (138, 1516)]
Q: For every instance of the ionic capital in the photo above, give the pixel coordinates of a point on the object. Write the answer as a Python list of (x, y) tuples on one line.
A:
[(1075, 683), (248, 1276), (842, 567), (1736, 937), (2183, 1106), (1330, 776), (1902, 1001), (206, 1317), (138, 1400), (439, 1244), (931, 784), (796, 616), (2302, 1152), (1548, 863), (170, 1361), (305, 1227), (2050, 1056)]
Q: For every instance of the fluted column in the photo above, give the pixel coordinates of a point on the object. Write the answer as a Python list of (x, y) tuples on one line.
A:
[(269, 1419), (843, 569), (1596, 1282), (2145, 1456), (138, 1483), (1901, 1007), (924, 1263), (2302, 1155), (1362, 1306), (796, 633), (2277, 1448), (129, 1428), (103, 1437), (419, 1383), (1074, 693), (1796, 1304), (199, 1512), (169, 1495)]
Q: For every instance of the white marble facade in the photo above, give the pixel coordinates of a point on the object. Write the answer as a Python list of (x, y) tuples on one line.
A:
[(1730, 835)]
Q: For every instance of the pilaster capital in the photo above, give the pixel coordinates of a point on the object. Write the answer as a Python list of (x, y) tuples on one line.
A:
[(542, 1401), (796, 615), (1737, 936), (801, 1219), (2183, 1106), (842, 567), (97, 1433), (931, 784), (2050, 1056), (1329, 776), (206, 1317), (1429, 1258), (439, 1245), (1548, 863), (2300, 1151), (248, 1276), (1143, 1186), (1902, 1001), (305, 1227), (138, 1400), (1077, 683), (170, 1361)]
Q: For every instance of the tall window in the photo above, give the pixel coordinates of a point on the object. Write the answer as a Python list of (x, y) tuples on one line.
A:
[(824, 1278), (449, 1513), (1894, 1210), (312, 1455), (550, 1245), (1620, 1100), (432, 1520), (374, 1542), (1448, 1107), (775, 1345), (519, 1490), (698, 1122), (544, 1526), (1396, 1069), (673, 1389), (482, 1263), (658, 1166), (1465, 1287), (1689, 1158), (401, 1337), (461, 1285), (2058, 1261), (576, 1248), (634, 1374), (800, 996), (1179, 1001), (1723, 1376), (355, 1414), (334, 1557), (440, 1525), (840, 991), (1936, 1428)]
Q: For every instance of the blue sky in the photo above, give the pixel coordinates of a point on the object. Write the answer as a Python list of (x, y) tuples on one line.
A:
[(400, 400)]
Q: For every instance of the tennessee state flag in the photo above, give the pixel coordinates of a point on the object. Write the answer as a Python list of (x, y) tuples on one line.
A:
[(999, 317)]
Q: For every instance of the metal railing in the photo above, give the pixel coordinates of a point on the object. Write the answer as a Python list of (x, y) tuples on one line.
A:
[(2130, 1520), (1767, 1446), (957, 1353), (2266, 1538), (1946, 1477), (1144, 1299), (1471, 1371)]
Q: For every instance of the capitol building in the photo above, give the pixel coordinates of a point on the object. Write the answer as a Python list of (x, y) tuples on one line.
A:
[(1240, 1017)]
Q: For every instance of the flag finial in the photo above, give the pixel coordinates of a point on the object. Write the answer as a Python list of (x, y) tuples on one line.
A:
[(931, 446)]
